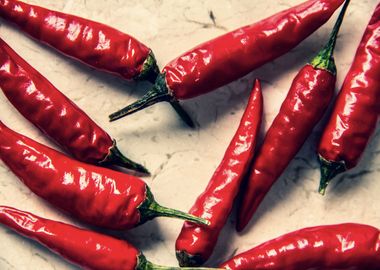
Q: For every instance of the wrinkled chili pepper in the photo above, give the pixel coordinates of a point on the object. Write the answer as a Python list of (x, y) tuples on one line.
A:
[(93, 194), (343, 246), (88, 249), (57, 116), (233, 55), (195, 244), (307, 100), (356, 110), (92, 43)]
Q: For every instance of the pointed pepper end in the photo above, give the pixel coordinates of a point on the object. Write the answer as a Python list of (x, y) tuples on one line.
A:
[(115, 157), (187, 260), (329, 169)]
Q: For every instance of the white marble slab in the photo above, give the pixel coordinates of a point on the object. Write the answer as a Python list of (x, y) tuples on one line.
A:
[(182, 160)]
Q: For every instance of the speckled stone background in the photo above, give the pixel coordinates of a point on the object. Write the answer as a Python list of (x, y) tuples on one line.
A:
[(182, 160)]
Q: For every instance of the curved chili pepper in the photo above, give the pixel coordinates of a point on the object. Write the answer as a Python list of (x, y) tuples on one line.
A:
[(92, 43), (308, 98), (57, 116), (233, 55), (93, 194), (90, 250), (343, 246), (195, 244), (356, 110)]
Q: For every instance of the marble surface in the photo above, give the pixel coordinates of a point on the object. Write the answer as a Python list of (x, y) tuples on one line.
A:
[(182, 160)]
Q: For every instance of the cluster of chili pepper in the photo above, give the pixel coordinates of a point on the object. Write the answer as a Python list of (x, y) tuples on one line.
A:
[(233, 55), (310, 93), (52, 112), (114, 200)]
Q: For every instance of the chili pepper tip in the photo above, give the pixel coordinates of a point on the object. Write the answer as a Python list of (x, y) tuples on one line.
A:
[(329, 169), (115, 157)]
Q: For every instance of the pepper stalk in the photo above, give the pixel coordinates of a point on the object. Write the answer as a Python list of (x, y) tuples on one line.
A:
[(150, 209), (325, 58), (158, 93)]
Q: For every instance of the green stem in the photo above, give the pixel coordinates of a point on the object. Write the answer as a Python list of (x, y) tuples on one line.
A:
[(158, 93), (143, 264), (329, 169), (325, 59), (115, 157), (150, 209), (150, 69)]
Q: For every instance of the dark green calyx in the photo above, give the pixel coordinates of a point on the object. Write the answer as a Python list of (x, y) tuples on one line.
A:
[(329, 169), (160, 92), (149, 70), (186, 259), (150, 209), (115, 157), (143, 264), (324, 59)]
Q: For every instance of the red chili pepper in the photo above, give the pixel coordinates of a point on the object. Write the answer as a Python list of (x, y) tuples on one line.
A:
[(195, 243), (233, 55), (343, 246), (57, 116), (84, 248), (92, 43), (308, 98), (356, 110), (96, 195)]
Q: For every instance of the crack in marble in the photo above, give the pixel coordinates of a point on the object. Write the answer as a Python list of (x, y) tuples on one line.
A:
[(205, 25), (168, 156)]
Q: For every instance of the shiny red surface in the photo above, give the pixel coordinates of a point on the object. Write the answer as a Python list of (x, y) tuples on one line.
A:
[(87, 249), (93, 194), (50, 110), (233, 55), (357, 106), (93, 43), (307, 100), (215, 203), (343, 246)]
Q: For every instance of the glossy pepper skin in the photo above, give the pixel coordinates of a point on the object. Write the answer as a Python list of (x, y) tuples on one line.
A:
[(96, 195), (92, 43), (87, 249), (233, 55), (344, 246), (56, 115), (195, 244), (356, 110), (308, 98)]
